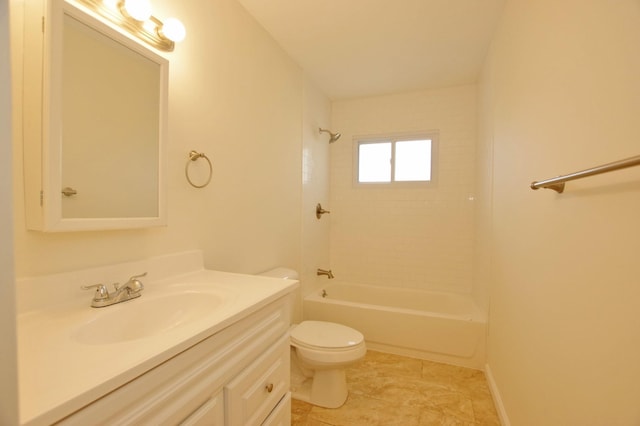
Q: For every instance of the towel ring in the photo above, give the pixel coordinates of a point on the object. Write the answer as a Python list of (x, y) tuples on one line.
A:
[(193, 156)]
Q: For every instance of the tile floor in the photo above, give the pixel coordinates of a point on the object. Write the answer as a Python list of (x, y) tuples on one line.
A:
[(390, 390)]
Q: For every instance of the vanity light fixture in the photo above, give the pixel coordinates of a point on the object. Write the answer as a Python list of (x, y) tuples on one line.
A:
[(173, 30), (140, 10), (135, 17)]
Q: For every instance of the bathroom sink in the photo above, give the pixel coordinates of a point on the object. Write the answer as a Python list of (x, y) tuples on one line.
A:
[(146, 317)]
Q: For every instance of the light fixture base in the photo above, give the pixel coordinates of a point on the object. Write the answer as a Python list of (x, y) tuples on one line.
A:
[(137, 28)]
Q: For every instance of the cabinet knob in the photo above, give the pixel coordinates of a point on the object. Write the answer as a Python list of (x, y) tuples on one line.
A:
[(269, 387)]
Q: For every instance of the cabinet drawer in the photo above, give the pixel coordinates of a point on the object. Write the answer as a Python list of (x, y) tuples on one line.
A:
[(281, 415), (210, 413), (254, 393)]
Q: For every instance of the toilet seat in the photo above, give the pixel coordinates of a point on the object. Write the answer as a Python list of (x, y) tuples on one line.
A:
[(323, 335)]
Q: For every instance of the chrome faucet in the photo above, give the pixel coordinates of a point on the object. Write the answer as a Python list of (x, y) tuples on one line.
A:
[(127, 291), (326, 272)]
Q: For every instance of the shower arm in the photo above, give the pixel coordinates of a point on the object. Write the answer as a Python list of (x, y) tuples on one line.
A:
[(332, 136)]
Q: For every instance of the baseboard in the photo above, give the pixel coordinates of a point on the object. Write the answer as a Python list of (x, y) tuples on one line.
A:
[(497, 399), (476, 362)]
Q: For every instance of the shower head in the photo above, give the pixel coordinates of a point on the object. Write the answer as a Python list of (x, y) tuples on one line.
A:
[(332, 136)]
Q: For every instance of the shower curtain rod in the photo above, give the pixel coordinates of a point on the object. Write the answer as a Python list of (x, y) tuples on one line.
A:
[(557, 183)]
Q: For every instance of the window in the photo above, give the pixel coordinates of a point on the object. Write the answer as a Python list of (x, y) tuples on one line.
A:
[(390, 160)]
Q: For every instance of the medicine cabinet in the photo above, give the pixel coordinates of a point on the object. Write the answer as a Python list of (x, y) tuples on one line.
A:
[(95, 111)]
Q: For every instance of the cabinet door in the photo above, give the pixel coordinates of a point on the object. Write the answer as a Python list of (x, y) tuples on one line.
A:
[(281, 415), (254, 393), (211, 413)]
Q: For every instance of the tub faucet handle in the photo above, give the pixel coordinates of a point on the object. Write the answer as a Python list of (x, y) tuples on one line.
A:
[(320, 211)]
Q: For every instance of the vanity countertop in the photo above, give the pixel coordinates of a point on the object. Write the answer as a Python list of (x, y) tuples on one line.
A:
[(62, 368)]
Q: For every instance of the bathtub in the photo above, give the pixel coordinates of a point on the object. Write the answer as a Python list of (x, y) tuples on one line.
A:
[(437, 326)]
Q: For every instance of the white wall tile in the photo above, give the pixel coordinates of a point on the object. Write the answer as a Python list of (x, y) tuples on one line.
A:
[(418, 237)]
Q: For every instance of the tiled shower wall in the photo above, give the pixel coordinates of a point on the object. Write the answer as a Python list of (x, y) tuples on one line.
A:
[(408, 237)]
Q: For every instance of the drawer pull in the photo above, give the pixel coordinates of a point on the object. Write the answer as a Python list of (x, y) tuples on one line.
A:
[(269, 387)]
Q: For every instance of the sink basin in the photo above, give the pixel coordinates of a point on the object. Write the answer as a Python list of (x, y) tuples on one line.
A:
[(145, 317)]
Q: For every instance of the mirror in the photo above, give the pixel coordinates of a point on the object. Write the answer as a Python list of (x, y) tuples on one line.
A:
[(110, 126), (103, 121)]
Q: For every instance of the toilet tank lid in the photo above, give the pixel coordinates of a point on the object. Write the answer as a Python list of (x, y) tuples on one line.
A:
[(281, 272)]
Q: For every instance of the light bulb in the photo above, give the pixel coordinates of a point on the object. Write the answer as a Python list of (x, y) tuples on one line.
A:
[(139, 10), (173, 30)]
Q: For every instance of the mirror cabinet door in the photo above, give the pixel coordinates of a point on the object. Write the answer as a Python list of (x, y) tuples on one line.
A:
[(102, 147)]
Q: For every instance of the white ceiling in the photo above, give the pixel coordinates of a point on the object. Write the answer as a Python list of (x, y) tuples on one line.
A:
[(353, 48)]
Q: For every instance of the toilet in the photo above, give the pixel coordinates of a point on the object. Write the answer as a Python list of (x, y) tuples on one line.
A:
[(320, 353)]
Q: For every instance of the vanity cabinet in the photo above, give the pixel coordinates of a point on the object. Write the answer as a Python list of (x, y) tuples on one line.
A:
[(237, 376), (252, 395)]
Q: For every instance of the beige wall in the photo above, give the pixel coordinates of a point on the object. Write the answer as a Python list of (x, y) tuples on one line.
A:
[(8, 361), (562, 86), (235, 95), (419, 238)]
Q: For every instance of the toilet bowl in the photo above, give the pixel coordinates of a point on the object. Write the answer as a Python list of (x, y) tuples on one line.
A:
[(324, 350), (320, 353)]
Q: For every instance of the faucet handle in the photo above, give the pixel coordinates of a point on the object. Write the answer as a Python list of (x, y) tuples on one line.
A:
[(101, 291), (134, 283), (135, 277), (320, 211)]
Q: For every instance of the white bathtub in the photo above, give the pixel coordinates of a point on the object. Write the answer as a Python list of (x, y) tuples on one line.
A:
[(442, 327)]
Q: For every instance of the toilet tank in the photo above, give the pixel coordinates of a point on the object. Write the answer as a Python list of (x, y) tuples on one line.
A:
[(281, 272)]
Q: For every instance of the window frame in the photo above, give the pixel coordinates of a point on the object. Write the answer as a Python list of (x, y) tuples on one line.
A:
[(431, 135)]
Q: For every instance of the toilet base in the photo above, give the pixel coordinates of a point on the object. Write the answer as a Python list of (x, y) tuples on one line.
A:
[(318, 373), (327, 388), (301, 388)]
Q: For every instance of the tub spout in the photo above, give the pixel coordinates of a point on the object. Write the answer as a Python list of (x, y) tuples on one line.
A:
[(326, 272)]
